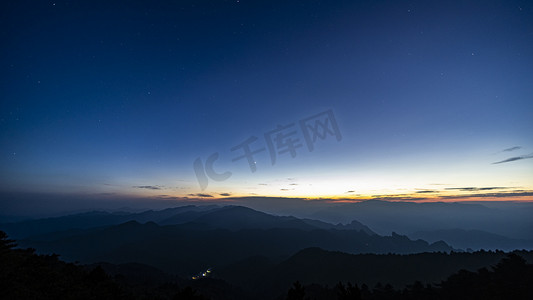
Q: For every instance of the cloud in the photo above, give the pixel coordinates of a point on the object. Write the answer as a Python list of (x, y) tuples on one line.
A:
[(350, 192), (483, 192), (492, 195), (471, 189), (293, 184), (284, 189), (148, 187), (204, 195), (426, 192), (201, 195), (398, 198), (514, 158), (225, 194), (511, 149)]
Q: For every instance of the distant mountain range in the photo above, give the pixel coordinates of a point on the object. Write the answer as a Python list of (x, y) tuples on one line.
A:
[(250, 252), (186, 239), (473, 239), (506, 219), (511, 221), (94, 219), (206, 217)]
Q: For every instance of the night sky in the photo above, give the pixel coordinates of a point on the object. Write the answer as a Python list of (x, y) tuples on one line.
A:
[(420, 100)]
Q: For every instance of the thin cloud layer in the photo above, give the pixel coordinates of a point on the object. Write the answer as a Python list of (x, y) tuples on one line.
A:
[(148, 187), (492, 195), (512, 149), (201, 195), (514, 159), (472, 189)]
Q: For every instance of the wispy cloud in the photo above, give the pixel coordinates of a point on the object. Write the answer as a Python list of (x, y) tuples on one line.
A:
[(514, 159), (398, 198), (475, 192), (201, 195), (148, 187), (225, 194), (473, 189), (492, 195), (511, 149)]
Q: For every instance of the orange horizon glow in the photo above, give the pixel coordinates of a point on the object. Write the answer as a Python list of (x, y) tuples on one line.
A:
[(448, 198)]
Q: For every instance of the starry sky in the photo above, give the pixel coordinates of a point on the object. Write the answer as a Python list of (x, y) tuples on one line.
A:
[(401, 100)]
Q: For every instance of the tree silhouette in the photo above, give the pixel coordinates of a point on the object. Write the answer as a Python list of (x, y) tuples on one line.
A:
[(97, 275), (5, 243), (350, 292), (188, 294), (296, 292)]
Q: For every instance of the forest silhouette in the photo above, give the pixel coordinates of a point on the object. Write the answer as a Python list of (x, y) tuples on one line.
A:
[(27, 275)]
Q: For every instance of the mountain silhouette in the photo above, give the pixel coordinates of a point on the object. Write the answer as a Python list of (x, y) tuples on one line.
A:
[(40, 227), (216, 237), (408, 217), (473, 239), (226, 217), (318, 266)]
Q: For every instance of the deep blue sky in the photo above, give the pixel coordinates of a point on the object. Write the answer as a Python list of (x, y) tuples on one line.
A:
[(121, 98)]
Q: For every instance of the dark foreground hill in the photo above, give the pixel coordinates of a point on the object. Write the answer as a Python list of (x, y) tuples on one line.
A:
[(310, 274), (327, 268), (510, 278), (26, 275)]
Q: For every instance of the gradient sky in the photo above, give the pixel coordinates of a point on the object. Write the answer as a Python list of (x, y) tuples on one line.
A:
[(121, 97)]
